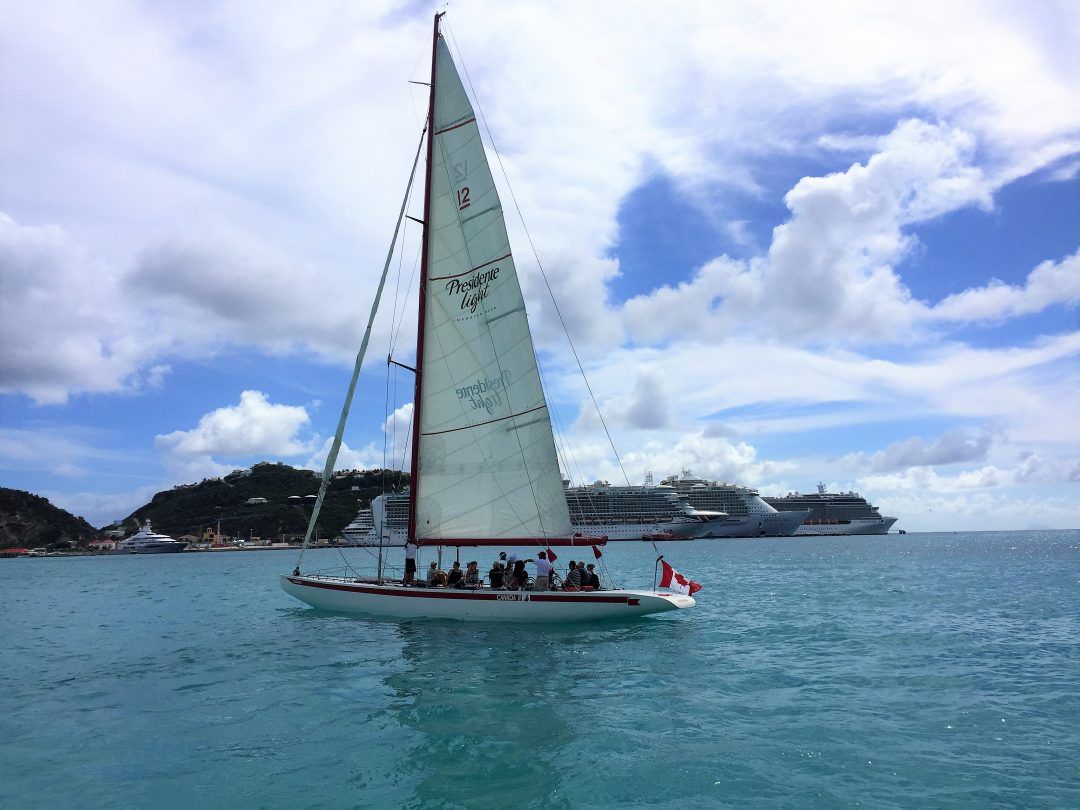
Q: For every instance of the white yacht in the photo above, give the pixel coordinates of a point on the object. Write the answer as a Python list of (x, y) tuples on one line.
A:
[(748, 515), (147, 541)]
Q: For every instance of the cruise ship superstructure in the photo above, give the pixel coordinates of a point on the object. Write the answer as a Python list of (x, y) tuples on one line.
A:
[(644, 512), (682, 507), (748, 515), (834, 513)]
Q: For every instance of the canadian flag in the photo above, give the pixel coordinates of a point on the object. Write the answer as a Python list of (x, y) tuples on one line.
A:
[(677, 582)]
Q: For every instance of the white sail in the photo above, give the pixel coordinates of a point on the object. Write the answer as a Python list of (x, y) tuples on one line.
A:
[(487, 461)]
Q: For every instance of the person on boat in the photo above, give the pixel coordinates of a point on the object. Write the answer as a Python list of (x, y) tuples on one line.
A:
[(495, 575), (543, 572), (593, 577), (435, 575), (519, 578), (410, 561), (472, 575), (573, 576), (453, 579)]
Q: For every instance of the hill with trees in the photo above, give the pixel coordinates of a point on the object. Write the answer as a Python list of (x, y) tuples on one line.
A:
[(270, 500), (30, 521)]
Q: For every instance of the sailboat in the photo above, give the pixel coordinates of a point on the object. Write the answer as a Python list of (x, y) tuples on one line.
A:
[(485, 469)]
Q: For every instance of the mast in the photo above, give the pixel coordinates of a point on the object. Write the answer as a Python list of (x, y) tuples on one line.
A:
[(414, 483)]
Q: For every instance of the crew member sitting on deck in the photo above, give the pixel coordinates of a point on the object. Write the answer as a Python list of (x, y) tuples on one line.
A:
[(472, 575), (495, 575), (435, 576), (573, 577), (593, 577), (453, 579)]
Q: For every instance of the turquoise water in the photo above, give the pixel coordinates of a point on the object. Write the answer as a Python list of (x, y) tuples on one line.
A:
[(900, 671)]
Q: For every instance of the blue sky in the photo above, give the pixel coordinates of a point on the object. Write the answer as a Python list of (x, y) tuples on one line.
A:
[(797, 243)]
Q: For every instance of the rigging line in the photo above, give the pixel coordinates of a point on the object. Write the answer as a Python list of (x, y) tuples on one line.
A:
[(331, 457), (536, 255), (390, 350)]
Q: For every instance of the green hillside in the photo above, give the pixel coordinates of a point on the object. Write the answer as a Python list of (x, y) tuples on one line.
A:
[(30, 521), (192, 508)]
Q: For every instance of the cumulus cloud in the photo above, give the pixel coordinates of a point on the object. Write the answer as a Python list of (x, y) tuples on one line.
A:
[(829, 273), (254, 427), (953, 447), (60, 323), (394, 453), (708, 456)]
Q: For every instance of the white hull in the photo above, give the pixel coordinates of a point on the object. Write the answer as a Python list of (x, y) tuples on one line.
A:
[(776, 524), (857, 526), (158, 548), (398, 602)]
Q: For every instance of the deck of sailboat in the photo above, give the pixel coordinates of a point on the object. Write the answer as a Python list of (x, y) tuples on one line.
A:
[(393, 600)]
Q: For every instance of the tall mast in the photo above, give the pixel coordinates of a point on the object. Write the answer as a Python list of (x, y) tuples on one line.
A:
[(414, 487)]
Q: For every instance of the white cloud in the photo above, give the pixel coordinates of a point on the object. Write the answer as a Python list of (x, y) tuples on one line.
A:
[(1049, 283), (392, 454), (829, 274), (64, 451), (242, 121), (253, 427), (953, 447)]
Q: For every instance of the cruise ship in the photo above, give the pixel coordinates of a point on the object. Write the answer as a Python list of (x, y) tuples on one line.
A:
[(748, 515), (682, 507), (834, 513), (644, 512), (597, 510)]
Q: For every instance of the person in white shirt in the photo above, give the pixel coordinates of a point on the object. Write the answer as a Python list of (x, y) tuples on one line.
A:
[(543, 572)]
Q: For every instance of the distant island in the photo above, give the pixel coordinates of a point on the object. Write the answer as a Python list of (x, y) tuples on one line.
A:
[(271, 501)]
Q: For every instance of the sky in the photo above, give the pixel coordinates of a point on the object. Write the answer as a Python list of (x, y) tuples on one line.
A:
[(791, 242)]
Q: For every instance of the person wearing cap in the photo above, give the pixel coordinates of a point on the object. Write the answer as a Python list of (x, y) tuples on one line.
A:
[(543, 572)]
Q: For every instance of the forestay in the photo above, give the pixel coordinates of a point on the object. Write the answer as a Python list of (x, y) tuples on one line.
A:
[(487, 461)]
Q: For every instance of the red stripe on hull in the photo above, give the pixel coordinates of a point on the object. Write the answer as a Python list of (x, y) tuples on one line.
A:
[(476, 596), (543, 542)]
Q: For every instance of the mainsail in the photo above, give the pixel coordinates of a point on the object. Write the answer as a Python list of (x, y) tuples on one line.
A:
[(486, 462)]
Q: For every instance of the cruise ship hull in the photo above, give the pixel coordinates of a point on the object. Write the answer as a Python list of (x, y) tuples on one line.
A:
[(779, 524), (856, 526)]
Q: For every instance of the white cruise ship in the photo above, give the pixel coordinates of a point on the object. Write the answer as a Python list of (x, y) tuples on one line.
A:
[(147, 541), (598, 510), (361, 526), (747, 514), (834, 513), (644, 512)]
